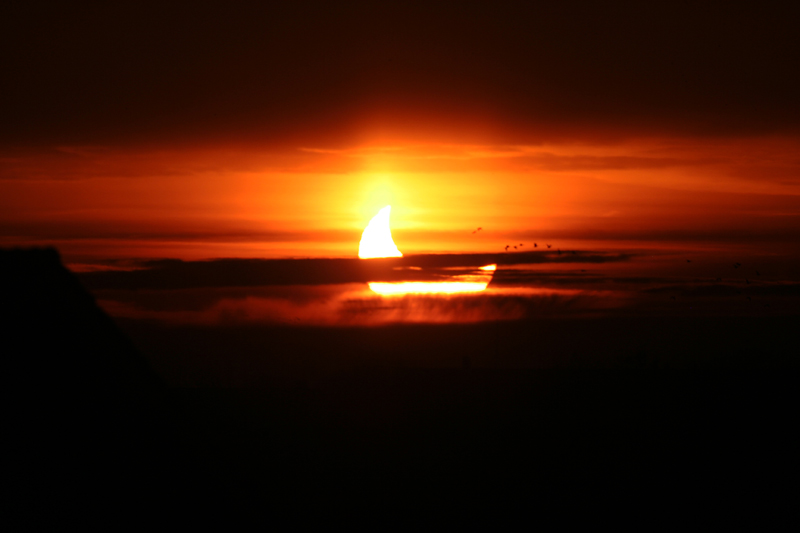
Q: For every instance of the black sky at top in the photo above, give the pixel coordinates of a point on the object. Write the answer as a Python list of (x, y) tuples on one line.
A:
[(317, 72)]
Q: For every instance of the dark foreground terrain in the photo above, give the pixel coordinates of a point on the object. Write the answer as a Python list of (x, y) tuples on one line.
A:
[(646, 412)]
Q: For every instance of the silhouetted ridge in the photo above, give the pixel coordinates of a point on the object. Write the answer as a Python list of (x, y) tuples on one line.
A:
[(54, 334), (87, 414)]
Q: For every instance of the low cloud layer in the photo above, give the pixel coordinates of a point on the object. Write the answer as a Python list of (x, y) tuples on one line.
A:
[(177, 274), (529, 286)]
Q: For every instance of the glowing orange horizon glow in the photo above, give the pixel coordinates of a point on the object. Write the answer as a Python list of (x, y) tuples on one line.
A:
[(376, 241), (96, 203)]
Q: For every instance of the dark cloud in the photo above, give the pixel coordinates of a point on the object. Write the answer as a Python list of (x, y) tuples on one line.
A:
[(334, 293), (560, 163), (345, 305), (280, 72), (177, 274), (788, 289)]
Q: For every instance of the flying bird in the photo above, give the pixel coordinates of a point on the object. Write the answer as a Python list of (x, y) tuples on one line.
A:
[(477, 230), (507, 247), (515, 247), (688, 261), (549, 245), (737, 265), (535, 245)]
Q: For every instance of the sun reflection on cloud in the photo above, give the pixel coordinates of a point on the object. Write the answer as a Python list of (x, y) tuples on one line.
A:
[(459, 284), (426, 287)]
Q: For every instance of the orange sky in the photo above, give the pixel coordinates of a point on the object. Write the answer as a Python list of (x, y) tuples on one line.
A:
[(95, 202), (237, 130)]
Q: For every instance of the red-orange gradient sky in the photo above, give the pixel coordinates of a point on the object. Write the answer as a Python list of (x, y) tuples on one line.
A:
[(199, 131)]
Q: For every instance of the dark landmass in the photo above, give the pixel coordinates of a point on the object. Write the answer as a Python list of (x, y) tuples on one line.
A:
[(666, 413), (88, 420)]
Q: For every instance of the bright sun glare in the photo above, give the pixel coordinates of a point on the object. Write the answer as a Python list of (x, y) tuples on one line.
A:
[(376, 241)]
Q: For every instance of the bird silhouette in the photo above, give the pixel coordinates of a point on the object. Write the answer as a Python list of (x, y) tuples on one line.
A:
[(688, 261), (477, 230), (559, 251), (574, 252), (515, 247), (549, 245), (737, 265), (520, 245), (582, 270), (535, 245), (506, 247)]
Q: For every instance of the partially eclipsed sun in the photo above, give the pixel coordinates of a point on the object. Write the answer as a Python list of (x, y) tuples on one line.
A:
[(376, 241)]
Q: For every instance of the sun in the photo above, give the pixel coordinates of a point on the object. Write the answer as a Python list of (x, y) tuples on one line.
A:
[(376, 241)]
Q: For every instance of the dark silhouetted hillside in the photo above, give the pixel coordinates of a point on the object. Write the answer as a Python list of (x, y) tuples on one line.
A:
[(87, 418)]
